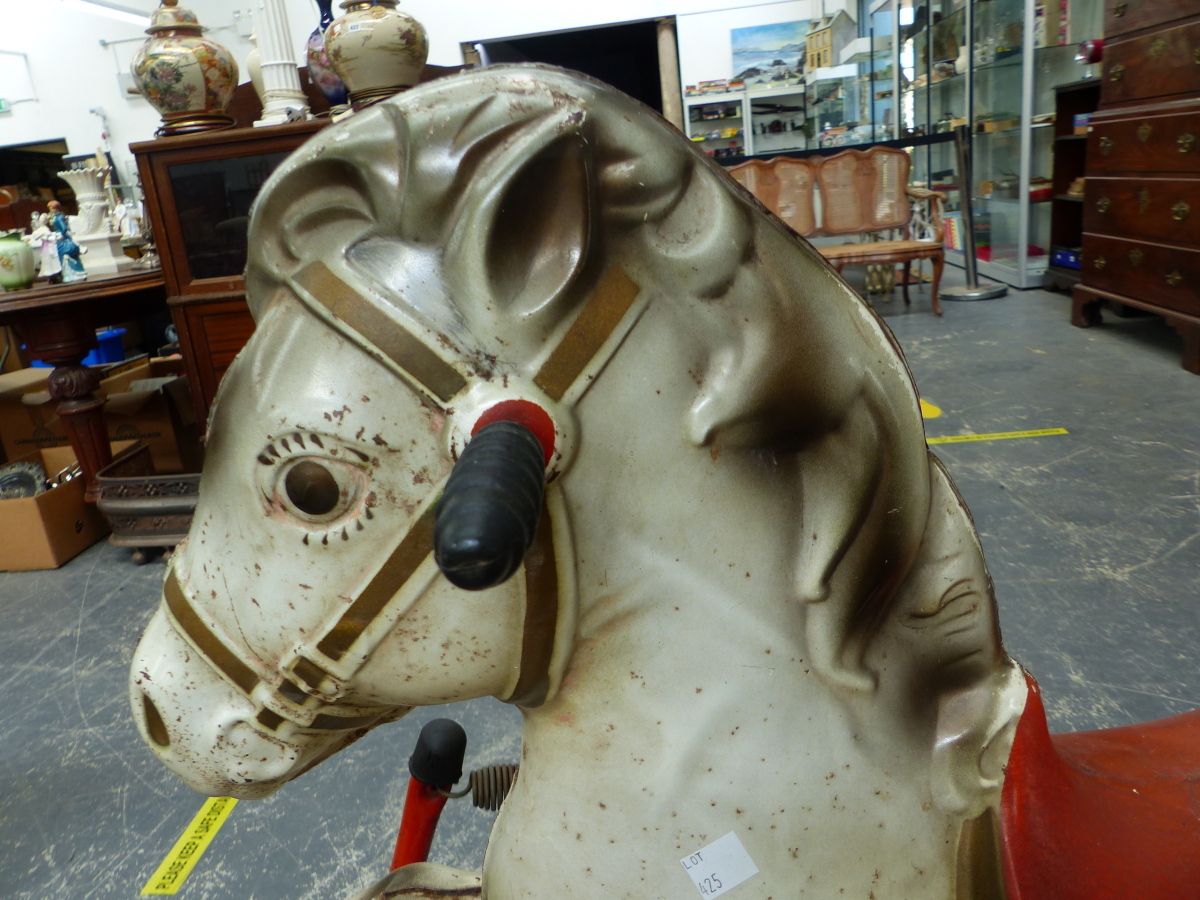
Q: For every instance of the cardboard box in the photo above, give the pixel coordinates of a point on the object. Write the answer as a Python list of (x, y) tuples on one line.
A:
[(45, 531), (151, 403), (141, 405)]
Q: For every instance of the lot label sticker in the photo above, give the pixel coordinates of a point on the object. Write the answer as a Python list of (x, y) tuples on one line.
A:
[(719, 867)]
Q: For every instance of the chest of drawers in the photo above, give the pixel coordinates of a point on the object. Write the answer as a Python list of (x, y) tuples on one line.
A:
[(1141, 215)]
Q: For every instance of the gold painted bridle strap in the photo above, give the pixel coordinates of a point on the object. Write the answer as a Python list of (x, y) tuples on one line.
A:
[(228, 663), (592, 328), (391, 338)]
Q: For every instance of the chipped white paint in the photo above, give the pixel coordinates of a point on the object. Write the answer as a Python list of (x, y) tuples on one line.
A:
[(774, 616)]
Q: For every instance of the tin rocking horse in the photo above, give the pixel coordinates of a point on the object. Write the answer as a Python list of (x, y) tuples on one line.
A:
[(541, 405)]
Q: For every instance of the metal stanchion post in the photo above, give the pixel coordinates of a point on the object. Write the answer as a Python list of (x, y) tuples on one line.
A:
[(971, 290)]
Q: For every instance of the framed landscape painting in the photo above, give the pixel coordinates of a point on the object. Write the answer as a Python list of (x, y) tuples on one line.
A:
[(769, 55)]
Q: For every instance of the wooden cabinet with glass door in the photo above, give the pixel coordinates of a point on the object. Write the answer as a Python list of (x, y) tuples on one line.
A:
[(198, 189)]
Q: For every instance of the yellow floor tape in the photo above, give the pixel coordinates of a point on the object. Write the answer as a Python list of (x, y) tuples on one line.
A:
[(995, 436), (928, 410), (169, 877)]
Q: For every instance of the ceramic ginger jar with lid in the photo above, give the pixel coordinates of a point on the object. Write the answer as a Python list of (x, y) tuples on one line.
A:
[(18, 267), (188, 78), (376, 49)]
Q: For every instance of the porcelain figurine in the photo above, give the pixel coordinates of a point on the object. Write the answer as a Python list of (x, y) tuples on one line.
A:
[(42, 238), (320, 69), (68, 251), (18, 265), (187, 77), (376, 49), (752, 603)]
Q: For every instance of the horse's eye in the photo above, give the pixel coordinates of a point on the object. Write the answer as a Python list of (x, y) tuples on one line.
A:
[(312, 488)]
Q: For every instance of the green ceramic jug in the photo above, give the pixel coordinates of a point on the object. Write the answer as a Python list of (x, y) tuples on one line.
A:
[(17, 268)]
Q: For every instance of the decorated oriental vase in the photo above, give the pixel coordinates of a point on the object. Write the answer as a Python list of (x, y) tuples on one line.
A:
[(320, 69), (185, 76), (17, 262), (377, 50)]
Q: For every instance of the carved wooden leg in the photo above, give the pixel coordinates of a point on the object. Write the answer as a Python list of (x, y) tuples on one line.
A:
[(907, 268), (1190, 332), (65, 342), (82, 414), (1085, 309), (938, 262)]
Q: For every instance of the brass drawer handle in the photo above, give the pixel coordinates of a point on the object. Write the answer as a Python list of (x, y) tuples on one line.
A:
[(1119, 8), (1100, 263), (1157, 48), (1196, 56), (1180, 211), (1106, 146), (1186, 142), (1174, 279), (1135, 258), (1103, 204), (1116, 73), (1143, 132)]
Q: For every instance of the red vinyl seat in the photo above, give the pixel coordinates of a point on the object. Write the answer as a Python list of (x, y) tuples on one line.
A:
[(1094, 815)]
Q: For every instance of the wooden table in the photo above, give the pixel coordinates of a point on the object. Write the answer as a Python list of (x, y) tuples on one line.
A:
[(58, 324)]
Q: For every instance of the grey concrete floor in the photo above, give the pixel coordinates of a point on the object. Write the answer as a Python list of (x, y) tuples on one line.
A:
[(1093, 539)]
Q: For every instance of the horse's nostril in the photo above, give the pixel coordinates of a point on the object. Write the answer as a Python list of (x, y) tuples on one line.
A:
[(154, 723)]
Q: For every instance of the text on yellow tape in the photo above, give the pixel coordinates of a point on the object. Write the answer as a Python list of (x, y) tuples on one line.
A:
[(995, 436), (174, 870)]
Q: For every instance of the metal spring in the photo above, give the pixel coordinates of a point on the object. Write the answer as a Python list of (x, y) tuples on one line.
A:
[(488, 786)]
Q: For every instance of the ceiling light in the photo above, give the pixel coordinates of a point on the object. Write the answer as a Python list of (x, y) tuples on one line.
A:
[(109, 11)]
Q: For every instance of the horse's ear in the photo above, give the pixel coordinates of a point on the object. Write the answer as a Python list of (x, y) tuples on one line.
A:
[(322, 200), (539, 233), (523, 233)]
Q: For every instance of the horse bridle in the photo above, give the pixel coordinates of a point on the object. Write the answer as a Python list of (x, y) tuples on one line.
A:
[(313, 678)]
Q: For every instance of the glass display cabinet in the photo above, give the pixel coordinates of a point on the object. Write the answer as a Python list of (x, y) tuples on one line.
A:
[(992, 65), (1020, 52), (851, 101), (1001, 83)]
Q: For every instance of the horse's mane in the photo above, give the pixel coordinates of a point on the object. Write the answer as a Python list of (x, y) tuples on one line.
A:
[(518, 202)]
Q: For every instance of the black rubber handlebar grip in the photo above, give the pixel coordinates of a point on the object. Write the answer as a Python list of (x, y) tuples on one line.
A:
[(489, 510), (438, 757)]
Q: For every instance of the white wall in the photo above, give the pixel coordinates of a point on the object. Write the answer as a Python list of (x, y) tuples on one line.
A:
[(72, 72), (705, 48)]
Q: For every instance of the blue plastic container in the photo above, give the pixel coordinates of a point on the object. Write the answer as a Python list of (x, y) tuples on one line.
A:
[(109, 351)]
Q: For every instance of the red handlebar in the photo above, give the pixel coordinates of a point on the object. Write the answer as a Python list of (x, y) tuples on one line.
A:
[(422, 809)]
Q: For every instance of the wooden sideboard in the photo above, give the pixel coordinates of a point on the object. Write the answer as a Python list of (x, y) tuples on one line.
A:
[(1141, 210), (58, 324), (198, 189)]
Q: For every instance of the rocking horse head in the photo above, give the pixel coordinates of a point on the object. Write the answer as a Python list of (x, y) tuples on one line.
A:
[(748, 578)]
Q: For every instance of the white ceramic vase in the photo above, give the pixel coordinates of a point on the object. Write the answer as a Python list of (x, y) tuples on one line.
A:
[(88, 185), (254, 69), (376, 49)]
